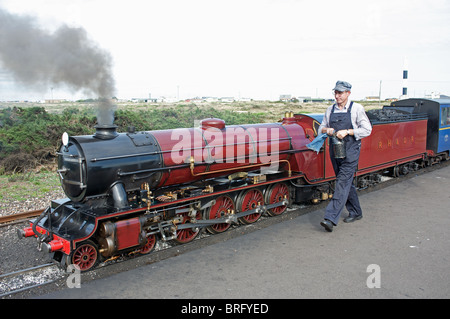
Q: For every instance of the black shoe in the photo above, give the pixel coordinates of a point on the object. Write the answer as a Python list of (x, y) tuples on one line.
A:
[(351, 219), (327, 225)]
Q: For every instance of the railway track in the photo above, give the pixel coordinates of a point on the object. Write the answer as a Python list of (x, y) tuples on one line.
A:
[(29, 278), (8, 219)]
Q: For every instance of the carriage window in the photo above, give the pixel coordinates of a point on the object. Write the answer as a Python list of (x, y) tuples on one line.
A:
[(445, 116)]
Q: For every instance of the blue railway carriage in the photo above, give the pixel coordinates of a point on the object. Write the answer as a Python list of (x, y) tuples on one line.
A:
[(438, 129)]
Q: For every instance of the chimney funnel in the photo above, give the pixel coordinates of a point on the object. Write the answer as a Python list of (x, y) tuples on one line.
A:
[(106, 132)]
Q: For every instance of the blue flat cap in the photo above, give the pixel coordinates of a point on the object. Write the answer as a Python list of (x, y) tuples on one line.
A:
[(342, 86)]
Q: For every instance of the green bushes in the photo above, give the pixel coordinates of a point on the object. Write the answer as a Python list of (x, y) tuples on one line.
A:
[(31, 136), (180, 116)]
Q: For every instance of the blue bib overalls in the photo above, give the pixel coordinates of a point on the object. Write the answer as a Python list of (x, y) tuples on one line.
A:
[(345, 168)]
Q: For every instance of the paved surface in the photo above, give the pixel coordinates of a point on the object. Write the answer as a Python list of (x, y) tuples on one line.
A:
[(404, 232)]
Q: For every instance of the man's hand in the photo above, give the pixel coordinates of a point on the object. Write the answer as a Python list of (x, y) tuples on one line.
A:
[(330, 131), (341, 134)]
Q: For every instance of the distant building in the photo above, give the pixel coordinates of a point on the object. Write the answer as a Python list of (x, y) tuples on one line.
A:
[(167, 99), (144, 100), (55, 101), (210, 99), (436, 95), (285, 97), (194, 100), (227, 99), (304, 99)]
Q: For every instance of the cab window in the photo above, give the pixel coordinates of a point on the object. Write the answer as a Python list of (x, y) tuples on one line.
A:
[(445, 116)]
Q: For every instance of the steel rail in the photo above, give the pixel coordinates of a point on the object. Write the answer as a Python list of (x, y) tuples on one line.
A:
[(17, 272), (20, 216), (25, 287)]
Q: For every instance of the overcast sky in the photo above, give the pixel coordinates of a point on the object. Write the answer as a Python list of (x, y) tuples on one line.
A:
[(254, 48)]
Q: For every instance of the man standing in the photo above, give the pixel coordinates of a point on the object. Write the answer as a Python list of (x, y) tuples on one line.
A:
[(350, 123)]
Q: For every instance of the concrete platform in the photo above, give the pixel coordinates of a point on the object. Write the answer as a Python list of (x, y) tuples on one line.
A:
[(401, 245)]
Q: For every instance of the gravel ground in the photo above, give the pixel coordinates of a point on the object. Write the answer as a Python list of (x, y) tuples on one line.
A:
[(18, 254), (9, 207), (23, 195), (30, 191)]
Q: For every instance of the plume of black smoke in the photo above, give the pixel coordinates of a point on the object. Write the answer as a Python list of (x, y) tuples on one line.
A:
[(67, 57)]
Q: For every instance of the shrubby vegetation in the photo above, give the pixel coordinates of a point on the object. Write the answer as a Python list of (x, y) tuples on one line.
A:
[(31, 136)]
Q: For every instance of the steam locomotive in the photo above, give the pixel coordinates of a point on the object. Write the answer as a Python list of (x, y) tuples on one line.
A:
[(127, 190)]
